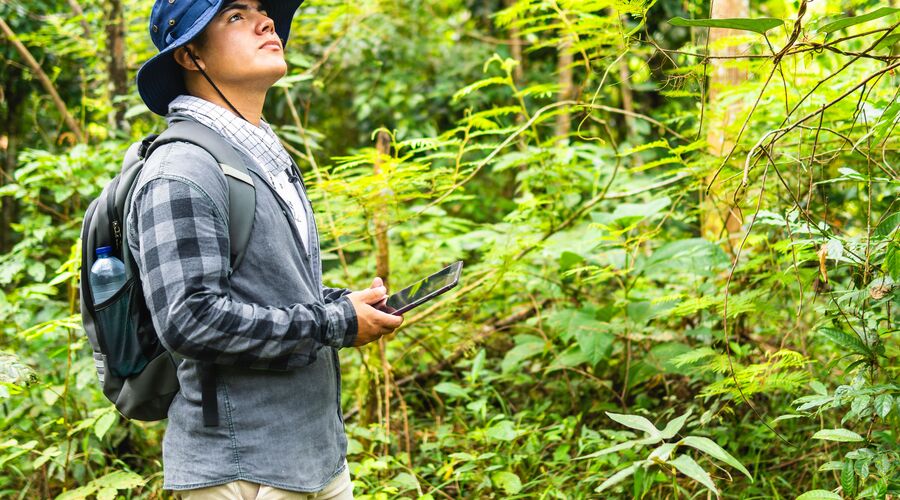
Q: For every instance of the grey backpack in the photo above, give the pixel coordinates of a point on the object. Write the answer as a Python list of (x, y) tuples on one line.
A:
[(136, 372)]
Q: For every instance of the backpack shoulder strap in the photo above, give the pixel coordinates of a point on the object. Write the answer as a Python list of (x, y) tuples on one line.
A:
[(241, 191)]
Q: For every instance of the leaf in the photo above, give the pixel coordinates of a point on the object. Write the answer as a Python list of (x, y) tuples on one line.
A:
[(712, 449), (848, 479), (618, 477), (687, 466), (405, 481), (104, 423), (497, 80), (883, 404), (819, 495), (107, 494), (892, 261), (634, 422), (840, 435), (507, 481), (758, 25), (661, 453), (674, 426), (452, 390), (594, 344), (846, 340), (515, 356), (852, 21), (78, 493), (120, 480), (502, 431), (887, 226), (612, 449)]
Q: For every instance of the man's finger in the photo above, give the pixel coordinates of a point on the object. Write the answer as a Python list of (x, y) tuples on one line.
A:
[(373, 294), (377, 282), (389, 320)]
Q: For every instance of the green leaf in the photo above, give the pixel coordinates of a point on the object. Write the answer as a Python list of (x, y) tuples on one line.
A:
[(504, 430), (841, 435), (452, 390), (712, 449), (618, 477), (107, 494), (595, 345), (674, 426), (634, 422), (687, 466), (759, 25), (892, 261), (887, 226), (819, 495), (405, 481), (852, 21), (78, 493), (104, 423), (507, 481), (612, 449), (661, 453), (515, 356), (848, 341), (883, 404), (848, 479), (120, 480)]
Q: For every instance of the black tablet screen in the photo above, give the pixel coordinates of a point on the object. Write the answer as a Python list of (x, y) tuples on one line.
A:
[(440, 281)]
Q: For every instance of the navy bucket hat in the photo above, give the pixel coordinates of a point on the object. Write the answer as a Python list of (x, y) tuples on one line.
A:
[(174, 23)]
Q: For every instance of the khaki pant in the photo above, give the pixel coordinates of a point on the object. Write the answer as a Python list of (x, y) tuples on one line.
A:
[(338, 489)]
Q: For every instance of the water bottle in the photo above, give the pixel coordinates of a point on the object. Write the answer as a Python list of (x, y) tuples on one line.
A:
[(107, 275)]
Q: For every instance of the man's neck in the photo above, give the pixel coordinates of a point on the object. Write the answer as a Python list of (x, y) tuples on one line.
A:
[(248, 104)]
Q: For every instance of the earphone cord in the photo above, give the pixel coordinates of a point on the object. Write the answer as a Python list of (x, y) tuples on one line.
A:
[(208, 79)]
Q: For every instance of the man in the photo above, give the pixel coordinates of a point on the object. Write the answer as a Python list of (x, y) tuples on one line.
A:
[(258, 414)]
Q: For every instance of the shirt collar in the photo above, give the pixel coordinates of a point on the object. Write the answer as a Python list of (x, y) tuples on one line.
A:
[(260, 143)]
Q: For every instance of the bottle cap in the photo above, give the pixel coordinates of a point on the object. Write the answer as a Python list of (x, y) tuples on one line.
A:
[(104, 251)]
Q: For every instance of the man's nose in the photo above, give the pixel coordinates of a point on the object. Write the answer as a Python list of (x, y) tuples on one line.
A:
[(266, 24)]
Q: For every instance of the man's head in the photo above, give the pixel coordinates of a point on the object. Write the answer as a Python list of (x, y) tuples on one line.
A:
[(235, 42), (238, 49)]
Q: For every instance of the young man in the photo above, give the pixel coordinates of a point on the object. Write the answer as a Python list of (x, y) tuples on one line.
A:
[(259, 341)]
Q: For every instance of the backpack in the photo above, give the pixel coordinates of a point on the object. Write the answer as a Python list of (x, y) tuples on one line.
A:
[(135, 370)]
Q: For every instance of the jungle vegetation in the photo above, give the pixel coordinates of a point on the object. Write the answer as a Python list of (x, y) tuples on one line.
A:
[(679, 222)]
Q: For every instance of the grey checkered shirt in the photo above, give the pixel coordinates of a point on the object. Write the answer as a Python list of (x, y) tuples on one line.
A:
[(260, 143), (178, 234)]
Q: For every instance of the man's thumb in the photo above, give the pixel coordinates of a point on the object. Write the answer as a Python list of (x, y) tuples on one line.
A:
[(374, 294)]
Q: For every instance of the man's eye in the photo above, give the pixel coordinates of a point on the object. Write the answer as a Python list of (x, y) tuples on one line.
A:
[(233, 16), (263, 12)]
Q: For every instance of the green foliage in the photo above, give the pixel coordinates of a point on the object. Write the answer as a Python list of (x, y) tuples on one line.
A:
[(603, 278)]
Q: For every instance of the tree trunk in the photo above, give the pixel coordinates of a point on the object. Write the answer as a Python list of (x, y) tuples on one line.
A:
[(718, 217), (44, 79), (79, 12), (118, 70), (14, 94)]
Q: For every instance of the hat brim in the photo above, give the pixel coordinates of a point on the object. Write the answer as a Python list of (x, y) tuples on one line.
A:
[(160, 79)]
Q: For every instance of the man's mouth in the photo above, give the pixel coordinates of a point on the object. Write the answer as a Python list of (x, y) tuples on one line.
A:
[(271, 44)]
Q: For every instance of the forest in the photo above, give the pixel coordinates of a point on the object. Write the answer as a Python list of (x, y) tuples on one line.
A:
[(680, 223)]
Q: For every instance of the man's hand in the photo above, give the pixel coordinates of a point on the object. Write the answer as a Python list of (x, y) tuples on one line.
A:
[(372, 324)]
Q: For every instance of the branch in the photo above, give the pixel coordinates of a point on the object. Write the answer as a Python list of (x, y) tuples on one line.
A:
[(44, 79)]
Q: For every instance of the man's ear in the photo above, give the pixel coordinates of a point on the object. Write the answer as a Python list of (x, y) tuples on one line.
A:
[(184, 60)]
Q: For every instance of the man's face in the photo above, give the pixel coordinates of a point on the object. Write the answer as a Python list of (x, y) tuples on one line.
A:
[(239, 46)]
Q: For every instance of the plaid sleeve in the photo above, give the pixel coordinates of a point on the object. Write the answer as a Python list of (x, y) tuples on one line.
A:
[(181, 249), (332, 294)]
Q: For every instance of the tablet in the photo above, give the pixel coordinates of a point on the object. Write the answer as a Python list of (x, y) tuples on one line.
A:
[(422, 291)]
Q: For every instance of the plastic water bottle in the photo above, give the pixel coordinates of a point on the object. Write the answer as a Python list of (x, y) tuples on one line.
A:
[(107, 275)]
